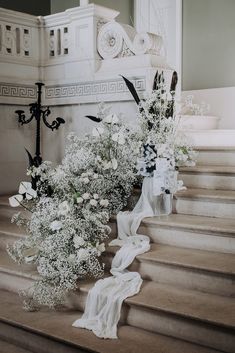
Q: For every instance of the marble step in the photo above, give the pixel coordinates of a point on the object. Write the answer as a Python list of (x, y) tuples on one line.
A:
[(51, 331), (6, 211), (9, 233), (192, 269), (195, 232), (14, 277), (188, 231), (209, 177), (205, 202), (6, 347), (200, 318), (216, 155), (198, 270), (211, 138), (197, 317)]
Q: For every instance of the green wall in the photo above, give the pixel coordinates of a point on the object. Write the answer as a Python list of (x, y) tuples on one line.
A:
[(33, 7), (125, 7), (208, 44)]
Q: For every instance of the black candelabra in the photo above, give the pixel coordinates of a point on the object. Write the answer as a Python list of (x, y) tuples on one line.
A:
[(38, 113)]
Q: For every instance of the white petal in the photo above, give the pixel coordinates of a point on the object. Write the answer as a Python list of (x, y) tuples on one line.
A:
[(28, 196), (14, 200), (32, 192), (114, 163), (24, 186)]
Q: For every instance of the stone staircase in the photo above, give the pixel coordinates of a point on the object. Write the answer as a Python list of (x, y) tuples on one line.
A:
[(186, 303)]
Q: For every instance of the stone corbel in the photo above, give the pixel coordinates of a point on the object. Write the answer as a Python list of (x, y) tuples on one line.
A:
[(117, 40)]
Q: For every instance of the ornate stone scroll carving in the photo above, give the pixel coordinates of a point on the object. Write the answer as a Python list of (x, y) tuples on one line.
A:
[(118, 40)]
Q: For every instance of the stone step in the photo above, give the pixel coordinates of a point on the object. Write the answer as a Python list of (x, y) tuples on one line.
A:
[(209, 177), (6, 211), (205, 202), (211, 138), (216, 155), (185, 268), (195, 232), (14, 277), (200, 318), (9, 233), (51, 331), (194, 316), (199, 270), (7, 347)]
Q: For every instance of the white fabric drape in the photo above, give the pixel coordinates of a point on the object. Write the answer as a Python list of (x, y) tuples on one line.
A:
[(104, 301)]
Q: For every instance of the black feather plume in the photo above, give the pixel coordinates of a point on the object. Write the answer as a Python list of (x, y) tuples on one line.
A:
[(174, 81), (132, 90), (155, 82), (31, 161), (93, 118)]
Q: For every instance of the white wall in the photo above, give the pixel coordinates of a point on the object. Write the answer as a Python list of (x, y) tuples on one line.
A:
[(208, 44), (13, 141)]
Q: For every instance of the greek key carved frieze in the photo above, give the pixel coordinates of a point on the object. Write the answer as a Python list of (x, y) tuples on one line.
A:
[(17, 91), (92, 88)]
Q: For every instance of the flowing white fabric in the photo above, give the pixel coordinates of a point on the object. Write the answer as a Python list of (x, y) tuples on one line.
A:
[(104, 301)]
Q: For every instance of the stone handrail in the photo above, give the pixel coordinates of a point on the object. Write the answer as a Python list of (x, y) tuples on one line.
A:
[(78, 53)]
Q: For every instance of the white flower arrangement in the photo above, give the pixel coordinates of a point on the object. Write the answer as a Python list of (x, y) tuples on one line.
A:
[(71, 210), (75, 200), (161, 140)]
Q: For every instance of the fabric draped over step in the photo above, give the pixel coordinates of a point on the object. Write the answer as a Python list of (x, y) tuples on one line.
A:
[(104, 301)]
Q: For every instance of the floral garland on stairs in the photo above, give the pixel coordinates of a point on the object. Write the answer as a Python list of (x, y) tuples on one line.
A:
[(68, 224), (69, 214)]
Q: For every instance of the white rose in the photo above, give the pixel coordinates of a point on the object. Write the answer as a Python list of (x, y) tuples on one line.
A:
[(86, 196), (78, 241), (79, 200), (56, 225), (93, 202), (111, 119), (104, 202), (63, 208), (82, 254), (95, 196)]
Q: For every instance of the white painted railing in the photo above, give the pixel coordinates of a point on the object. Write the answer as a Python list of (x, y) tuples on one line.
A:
[(79, 54)]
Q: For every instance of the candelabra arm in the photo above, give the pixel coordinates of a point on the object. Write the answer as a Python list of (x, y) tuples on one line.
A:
[(22, 118), (55, 123)]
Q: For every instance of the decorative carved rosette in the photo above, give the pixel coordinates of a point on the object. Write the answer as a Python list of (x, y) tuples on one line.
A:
[(118, 40)]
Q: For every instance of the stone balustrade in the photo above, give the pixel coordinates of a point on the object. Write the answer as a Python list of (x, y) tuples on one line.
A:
[(79, 53)]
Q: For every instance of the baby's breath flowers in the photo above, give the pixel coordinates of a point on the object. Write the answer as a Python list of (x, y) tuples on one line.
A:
[(68, 226)]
